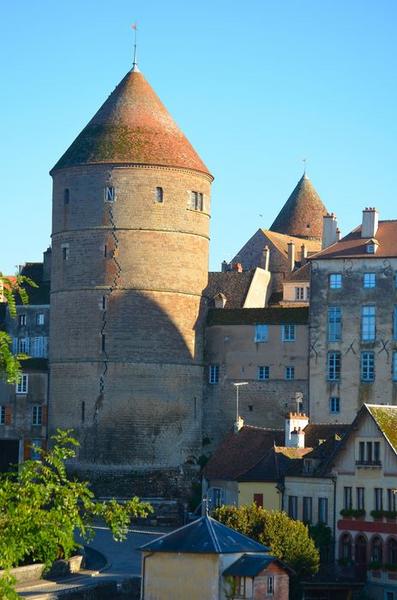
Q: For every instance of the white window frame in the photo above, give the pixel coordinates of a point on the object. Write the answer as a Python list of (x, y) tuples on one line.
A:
[(289, 373), (22, 386), (196, 201), (213, 374), (288, 333), (270, 585), (368, 322), (263, 372), (334, 405), (22, 320), (335, 281), (23, 345), (299, 293), (37, 414), (369, 280), (334, 366), (40, 319), (110, 193), (261, 332)]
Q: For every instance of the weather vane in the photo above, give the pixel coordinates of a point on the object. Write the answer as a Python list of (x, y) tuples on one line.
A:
[(304, 160), (134, 27)]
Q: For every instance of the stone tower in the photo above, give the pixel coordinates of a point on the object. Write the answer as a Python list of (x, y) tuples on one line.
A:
[(130, 235)]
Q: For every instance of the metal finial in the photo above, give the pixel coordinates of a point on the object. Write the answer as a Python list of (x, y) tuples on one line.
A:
[(134, 27), (304, 160)]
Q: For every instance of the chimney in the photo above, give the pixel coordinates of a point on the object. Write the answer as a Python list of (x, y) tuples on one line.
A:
[(303, 254), (330, 227), (265, 258), (291, 256), (294, 426), (370, 223), (224, 266), (338, 234), (238, 424), (47, 264), (220, 300), (237, 267)]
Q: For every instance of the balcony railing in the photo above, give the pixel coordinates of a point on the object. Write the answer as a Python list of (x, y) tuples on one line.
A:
[(368, 463)]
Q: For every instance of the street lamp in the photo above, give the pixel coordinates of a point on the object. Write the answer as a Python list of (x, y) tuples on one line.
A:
[(237, 385)]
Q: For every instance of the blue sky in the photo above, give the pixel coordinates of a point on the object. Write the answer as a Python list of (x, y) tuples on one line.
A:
[(256, 87)]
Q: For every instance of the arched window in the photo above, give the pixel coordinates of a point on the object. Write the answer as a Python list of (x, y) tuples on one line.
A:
[(392, 551), (360, 550), (376, 550), (159, 194), (346, 547)]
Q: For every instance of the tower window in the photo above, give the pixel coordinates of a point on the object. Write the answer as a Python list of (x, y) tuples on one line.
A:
[(66, 196), (213, 374), (110, 193), (159, 195), (196, 201), (65, 251)]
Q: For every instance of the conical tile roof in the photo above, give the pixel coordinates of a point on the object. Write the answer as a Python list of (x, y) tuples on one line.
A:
[(302, 214), (132, 126)]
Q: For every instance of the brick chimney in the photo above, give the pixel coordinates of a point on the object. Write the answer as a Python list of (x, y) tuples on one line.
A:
[(369, 225), (303, 254), (224, 266), (237, 267), (330, 228)]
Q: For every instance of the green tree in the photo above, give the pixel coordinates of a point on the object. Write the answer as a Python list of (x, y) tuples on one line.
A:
[(11, 289), (41, 510), (288, 540)]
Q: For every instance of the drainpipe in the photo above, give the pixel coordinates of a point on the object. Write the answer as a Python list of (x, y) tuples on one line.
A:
[(143, 574), (334, 526)]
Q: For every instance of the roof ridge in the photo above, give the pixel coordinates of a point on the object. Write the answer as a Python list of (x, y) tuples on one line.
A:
[(208, 521)]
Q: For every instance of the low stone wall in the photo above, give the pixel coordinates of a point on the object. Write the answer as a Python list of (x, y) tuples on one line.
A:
[(129, 589), (27, 574)]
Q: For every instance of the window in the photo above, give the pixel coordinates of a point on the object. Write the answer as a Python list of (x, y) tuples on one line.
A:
[(369, 453), (288, 333), (360, 497), (240, 587), (159, 195), (323, 510), (258, 500), (335, 281), (378, 498), (270, 585), (261, 333), (110, 194), (214, 374), (196, 201), (39, 347), (263, 373), (37, 413), (216, 497), (392, 551), (289, 373), (368, 323), (333, 366), (370, 248), (347, 498), (22, 320), (307, 509), (65, 251), (22, 385), (293, 507), (35, 454), (66, 196), (334, 324), (2, 415), (376, 550), (367, 366), (369, 280), (377, 452), (334, 405), (299, 293), (361, 452), (391, 499), (40, 319), (346, 547), (23, 345)]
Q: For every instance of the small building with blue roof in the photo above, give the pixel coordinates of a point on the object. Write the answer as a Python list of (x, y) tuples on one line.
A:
[(206, 560)]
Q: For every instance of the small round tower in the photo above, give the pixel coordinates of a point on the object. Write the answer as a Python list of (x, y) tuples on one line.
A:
[(130, 240)]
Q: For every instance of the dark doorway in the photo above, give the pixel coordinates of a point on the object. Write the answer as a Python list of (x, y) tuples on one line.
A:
[(360, 555), (9, 454)]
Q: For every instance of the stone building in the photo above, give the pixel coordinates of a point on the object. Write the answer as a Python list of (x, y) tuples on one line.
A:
[(130, 236), (353, 320), (23, 407)]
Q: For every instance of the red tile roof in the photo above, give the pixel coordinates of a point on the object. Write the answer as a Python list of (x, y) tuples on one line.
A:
[(353, 245), (132, 126)]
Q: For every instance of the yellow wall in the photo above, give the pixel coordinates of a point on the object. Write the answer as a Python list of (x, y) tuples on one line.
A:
[(271, 496), (181, 576)]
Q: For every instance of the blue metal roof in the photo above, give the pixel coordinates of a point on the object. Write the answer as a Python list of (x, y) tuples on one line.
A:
[(204, 536), (250, 565)]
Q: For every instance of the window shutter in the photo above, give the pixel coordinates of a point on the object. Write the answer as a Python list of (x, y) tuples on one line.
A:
[(8, 415), (26, 449), (44, 414), (15, 345)]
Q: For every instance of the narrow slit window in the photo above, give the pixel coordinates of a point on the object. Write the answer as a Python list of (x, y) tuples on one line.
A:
[(66, 196), (159, 195)]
